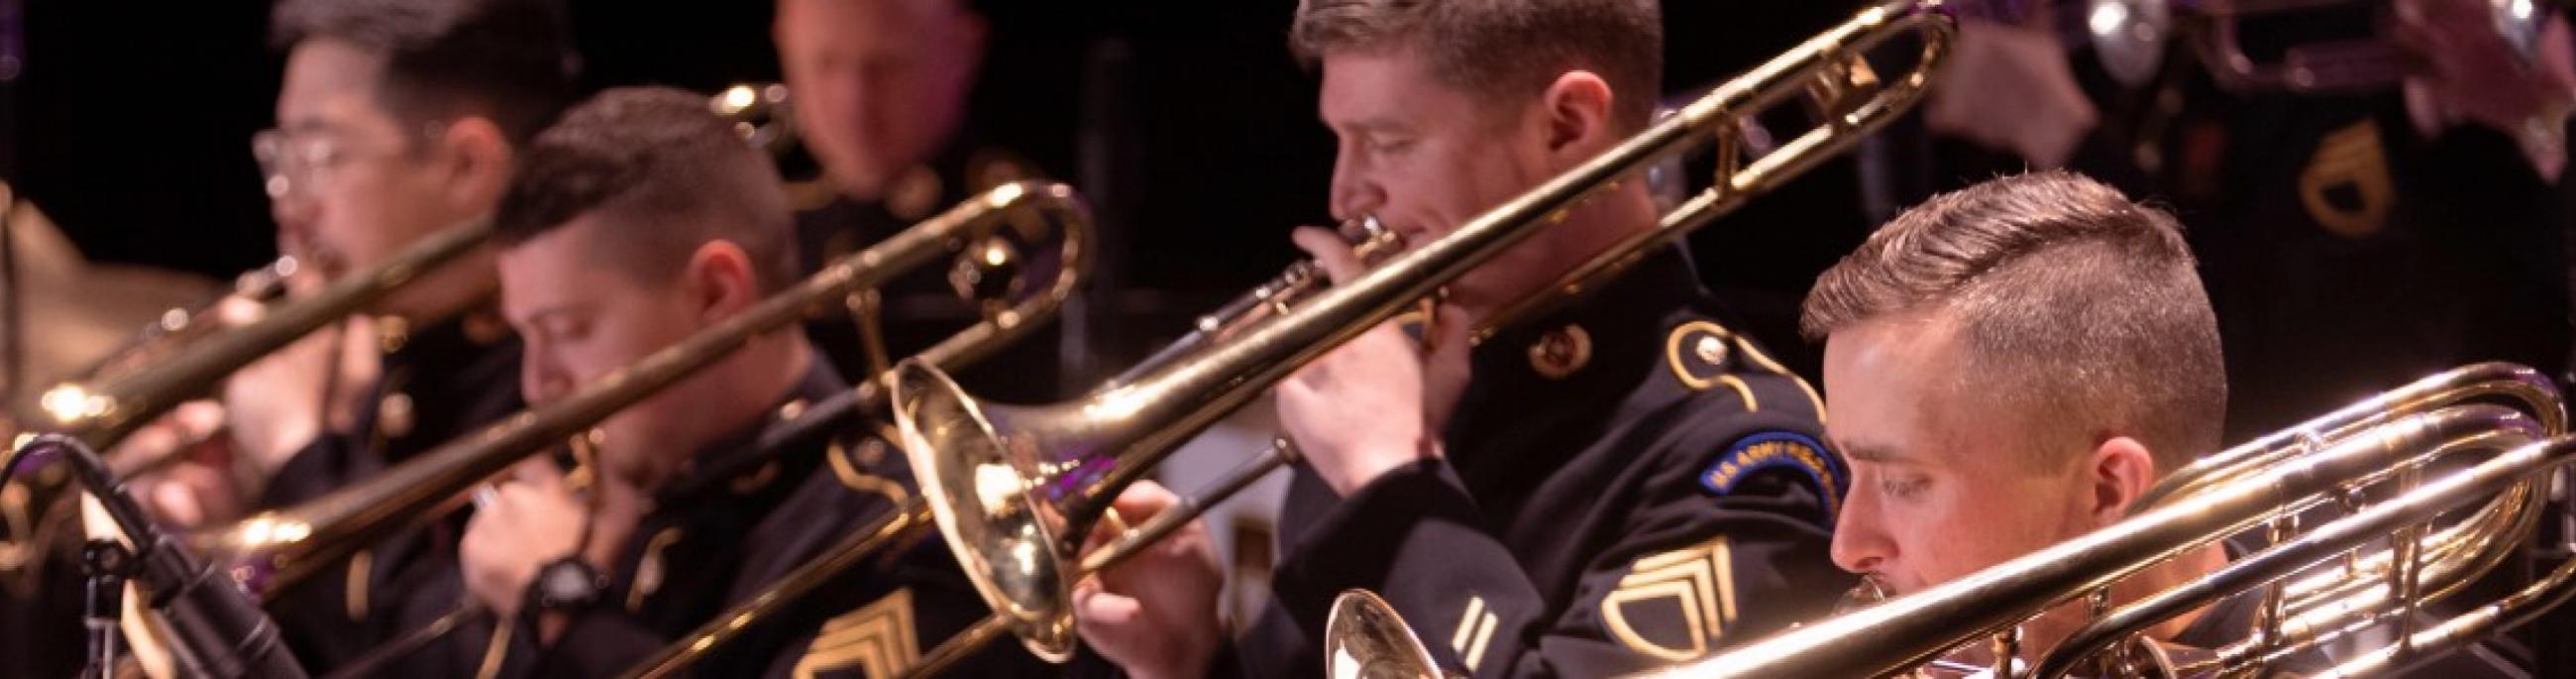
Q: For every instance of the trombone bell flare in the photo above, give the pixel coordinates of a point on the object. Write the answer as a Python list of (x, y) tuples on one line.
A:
[(986, 507), (1364, 638)]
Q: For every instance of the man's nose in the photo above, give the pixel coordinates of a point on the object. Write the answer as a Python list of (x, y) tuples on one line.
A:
[(1354, 194), (295, 216), (540, 380), (1860, 545)]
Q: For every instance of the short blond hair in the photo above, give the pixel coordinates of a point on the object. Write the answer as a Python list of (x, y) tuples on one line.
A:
[(2079, 309)]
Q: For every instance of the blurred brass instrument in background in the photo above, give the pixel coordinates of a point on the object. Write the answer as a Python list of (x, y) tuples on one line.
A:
[(2131, 37), (102, 410)]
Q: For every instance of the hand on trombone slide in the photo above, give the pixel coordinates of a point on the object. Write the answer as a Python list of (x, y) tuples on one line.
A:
[(212, 456), (1378, 402), (1155, 614)]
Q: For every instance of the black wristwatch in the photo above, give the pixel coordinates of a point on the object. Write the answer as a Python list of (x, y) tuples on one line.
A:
[(566, 584)]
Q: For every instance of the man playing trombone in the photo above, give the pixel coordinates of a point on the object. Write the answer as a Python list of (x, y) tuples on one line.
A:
[(1615, 484), (2013, 365), (643, 220), (396, 119)]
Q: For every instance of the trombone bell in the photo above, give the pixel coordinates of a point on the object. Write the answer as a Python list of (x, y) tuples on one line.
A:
[(1364, 638), (984, 491)]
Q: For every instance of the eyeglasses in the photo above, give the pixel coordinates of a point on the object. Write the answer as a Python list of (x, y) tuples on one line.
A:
[(302, 163)]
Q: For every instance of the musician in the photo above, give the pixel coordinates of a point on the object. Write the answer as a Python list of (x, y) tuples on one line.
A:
[(396, 119), (1613, 485), (880, 91), (2012, 365), (642, 219)]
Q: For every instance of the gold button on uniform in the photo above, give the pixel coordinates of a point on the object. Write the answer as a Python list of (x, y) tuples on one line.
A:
[(394, 416), (1560, 352)]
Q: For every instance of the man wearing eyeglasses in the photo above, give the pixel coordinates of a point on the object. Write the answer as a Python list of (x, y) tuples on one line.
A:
[(396, 119)]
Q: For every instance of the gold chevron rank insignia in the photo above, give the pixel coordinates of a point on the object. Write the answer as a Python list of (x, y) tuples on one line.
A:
[(1673, 605), (875, 641)]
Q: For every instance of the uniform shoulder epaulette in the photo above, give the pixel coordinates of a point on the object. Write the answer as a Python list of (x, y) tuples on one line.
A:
[(1704, 355), (856, 462)]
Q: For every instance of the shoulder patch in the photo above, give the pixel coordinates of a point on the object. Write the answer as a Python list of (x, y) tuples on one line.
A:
[(1777, 450)]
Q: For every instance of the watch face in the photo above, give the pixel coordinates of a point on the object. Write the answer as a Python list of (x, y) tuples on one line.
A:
[(566, 582)]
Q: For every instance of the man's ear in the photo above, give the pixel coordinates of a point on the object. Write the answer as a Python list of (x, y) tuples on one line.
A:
[(1576, 109), (478, 163), (721, 280), (2121, 471)]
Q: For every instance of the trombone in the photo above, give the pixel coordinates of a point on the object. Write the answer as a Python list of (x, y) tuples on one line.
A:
[(101, 412), (1371, 242), (181, 326), (1014, 489), (2384, 444)]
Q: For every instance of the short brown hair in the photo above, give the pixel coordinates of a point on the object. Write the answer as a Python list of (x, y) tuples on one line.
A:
[(667, 172), (2078, 308), (1502, 47)]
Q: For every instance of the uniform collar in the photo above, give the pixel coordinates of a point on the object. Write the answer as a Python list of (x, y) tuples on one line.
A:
[(1610, 337), (737, 453), (1619, 322)]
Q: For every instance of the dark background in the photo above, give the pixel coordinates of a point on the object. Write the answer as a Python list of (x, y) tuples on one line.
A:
[(1185, 121), (134, 125), (1192, 131)]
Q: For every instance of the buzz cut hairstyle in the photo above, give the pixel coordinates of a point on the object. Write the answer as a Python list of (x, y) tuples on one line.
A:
[(2078, 310), (1502, 48), (662, 175), (509, 61)]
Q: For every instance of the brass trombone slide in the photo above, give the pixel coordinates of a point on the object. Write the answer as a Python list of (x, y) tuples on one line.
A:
[(1016, 488), (181, 326), (274, 549), (102, 413)]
